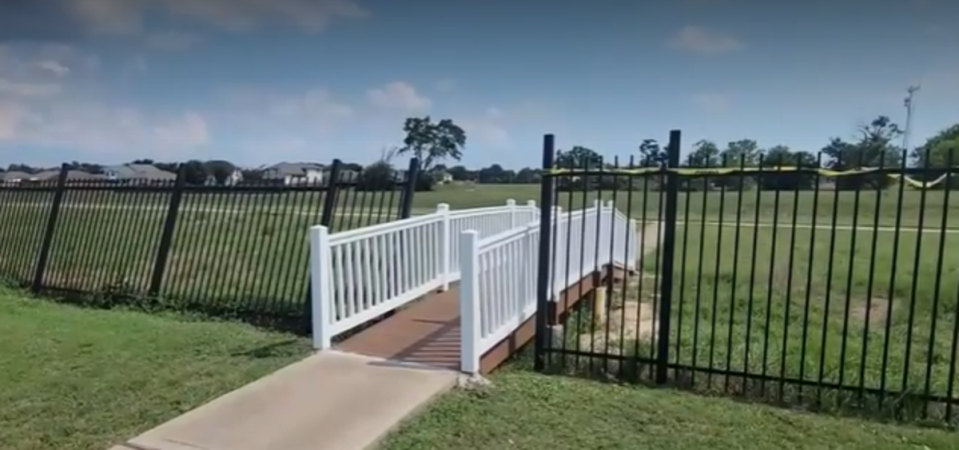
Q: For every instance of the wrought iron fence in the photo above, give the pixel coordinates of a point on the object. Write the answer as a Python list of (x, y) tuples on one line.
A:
[(236, 251), (794, 285)]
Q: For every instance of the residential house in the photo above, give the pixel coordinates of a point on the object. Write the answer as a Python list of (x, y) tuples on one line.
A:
[(15, 177), (137, 172), (295, 173), (235, 178), (442, 177)]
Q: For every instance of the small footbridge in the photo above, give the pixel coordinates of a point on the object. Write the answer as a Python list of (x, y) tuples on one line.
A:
[(458, 288)]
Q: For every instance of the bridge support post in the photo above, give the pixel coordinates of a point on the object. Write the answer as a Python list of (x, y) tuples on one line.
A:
[(469, 302), (321, 298), (443, 209)]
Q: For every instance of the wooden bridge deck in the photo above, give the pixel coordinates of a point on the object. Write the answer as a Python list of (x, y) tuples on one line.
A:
[(428, 330)]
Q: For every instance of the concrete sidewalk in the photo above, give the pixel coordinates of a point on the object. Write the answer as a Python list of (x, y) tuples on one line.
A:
[(330, 400)]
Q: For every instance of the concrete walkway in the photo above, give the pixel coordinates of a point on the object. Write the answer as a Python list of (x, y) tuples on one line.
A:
[(330, 400)]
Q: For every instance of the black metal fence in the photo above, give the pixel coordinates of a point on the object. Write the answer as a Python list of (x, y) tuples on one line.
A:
[(235, 251), (798, 286)]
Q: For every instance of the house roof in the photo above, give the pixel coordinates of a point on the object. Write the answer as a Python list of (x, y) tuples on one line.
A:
[(11, 176), (294, 169), (144, 171)]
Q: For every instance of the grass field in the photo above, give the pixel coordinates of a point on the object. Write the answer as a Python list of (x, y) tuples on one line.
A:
[(247, 252), (77, 379), (524, 410), (843, 307)]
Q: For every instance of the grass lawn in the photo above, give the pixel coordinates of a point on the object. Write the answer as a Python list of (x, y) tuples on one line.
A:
[(85, 379), (850, 308), (528, 411)]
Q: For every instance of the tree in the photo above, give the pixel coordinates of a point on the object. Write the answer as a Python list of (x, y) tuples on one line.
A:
[(431, 142), (874, 148), (651, 154), (745, 153), (220, 170), (780, 155), (378, 176), (527, 176), (938, 147), (705, 154), (459, 173), (579, 157), (194, 172)]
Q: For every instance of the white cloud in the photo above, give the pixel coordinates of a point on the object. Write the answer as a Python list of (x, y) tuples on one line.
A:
[(697, 39), (173, 40), (398, 95)]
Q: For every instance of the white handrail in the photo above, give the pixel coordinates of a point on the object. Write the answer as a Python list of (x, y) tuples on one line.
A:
[(360, 274), (498, 292)]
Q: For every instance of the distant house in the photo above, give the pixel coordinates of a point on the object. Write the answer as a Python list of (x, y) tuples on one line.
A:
[(137, 172), (234, 179), (443, 177), (16, 177), (295, 173)]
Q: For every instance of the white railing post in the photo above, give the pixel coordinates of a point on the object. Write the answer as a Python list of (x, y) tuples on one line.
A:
[(443, 209), (469, 302), (322, 289), (511, 205), (533, 213), (634, 238)]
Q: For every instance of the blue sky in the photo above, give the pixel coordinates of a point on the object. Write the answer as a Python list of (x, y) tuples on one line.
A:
[(260, 81)]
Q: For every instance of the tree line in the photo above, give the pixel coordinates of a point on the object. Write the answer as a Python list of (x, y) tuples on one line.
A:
[(433, 143)]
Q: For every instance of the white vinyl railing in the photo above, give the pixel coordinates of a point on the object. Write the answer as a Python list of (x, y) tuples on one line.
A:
[(498, 286), (360, 274)]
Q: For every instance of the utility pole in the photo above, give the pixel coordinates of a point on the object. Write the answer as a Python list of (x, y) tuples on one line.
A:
[(909, 107)]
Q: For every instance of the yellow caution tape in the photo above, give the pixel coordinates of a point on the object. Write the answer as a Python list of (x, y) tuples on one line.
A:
[(705, 171)]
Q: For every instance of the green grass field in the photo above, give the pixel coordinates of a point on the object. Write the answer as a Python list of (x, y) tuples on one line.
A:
[(524, 410), (247, 252), (860, 315), (79, 379)]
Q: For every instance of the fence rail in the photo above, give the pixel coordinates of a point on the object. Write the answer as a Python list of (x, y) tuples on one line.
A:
[(780, 290), (232, 251)]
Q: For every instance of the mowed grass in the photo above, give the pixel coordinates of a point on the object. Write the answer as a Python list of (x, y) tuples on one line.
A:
[(525, 410), (227, 251), (861, 309), (247, 252), (76, 378)]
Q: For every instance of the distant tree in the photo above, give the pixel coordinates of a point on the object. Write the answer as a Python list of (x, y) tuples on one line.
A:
[(22, 168), (579, 157), (938, 148), (142, 161), (378, 176), (745, 153), (430, 143), (252, 175), (875, 147), (651, 154), (194, 172), (220, 170), (705, 154), (527, 176), (459, 173), (782, 156)]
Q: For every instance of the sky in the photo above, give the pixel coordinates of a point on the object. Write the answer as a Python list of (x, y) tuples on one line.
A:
[(263, 81)]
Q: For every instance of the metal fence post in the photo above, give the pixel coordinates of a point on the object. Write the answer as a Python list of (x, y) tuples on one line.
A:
[(545, 264), (166, 238), (50, 229), (329, 200), (412, 178), (326, 220), (669, 249)]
